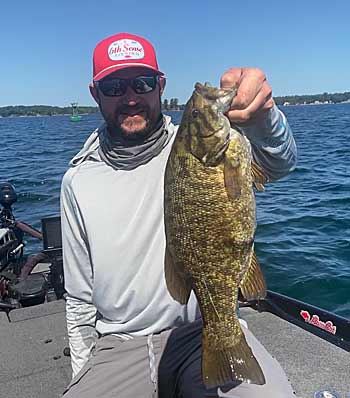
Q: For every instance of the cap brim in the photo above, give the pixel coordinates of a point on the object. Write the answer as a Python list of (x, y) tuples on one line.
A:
[(111, 69)]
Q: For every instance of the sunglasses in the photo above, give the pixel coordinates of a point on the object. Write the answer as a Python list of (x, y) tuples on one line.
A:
[(117, 87)]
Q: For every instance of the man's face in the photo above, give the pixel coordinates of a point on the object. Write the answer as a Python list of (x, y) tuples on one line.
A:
[(131, 115)]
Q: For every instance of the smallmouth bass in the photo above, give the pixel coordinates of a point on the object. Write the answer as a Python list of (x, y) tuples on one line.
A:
[(210, 223)]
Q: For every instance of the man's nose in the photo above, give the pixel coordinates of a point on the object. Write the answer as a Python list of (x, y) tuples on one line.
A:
[(130, 96)]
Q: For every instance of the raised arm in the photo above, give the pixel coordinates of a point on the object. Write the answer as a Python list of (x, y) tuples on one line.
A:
[(254, 111), (80, 312)]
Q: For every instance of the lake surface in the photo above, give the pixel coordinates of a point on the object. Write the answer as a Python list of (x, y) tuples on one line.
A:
[(303, 236)]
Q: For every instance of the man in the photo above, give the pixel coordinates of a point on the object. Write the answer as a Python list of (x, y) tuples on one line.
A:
[(114, 240)]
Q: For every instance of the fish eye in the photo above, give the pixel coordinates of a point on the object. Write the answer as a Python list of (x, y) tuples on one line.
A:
[(195, 113)]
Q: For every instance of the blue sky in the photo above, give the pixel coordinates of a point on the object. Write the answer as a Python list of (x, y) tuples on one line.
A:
[(46, 46)]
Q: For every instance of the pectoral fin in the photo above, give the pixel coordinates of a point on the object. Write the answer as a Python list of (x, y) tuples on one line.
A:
[(233, 177), (178, 282), (253, 285), (259, 177)]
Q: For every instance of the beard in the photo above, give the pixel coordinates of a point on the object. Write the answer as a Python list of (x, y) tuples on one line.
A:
[(131, 123)]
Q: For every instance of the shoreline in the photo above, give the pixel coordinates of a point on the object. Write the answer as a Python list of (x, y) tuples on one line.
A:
[(316, 103), (170, 110), (34, 116)]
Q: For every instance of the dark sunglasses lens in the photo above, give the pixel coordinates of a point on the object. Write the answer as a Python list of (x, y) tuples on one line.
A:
[(117, 87), (113, 88), (144, 84)]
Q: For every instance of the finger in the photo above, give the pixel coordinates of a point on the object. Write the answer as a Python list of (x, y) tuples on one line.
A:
[(269, 104), (262, 103), (231, 78), (251, 84)]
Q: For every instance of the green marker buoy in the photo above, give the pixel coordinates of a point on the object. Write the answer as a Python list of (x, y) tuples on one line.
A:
[(75, 117)]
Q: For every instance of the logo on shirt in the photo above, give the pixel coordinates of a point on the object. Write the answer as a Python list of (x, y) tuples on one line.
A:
[(125, 49)]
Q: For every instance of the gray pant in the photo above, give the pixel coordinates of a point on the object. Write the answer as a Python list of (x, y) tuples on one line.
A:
[(123, 369)]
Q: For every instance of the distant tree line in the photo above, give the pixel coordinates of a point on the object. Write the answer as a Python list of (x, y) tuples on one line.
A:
[(335, 98), (172, 105), (167, 105), (42, 110)]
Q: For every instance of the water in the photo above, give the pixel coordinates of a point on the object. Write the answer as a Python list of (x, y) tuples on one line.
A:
[(303, 237)]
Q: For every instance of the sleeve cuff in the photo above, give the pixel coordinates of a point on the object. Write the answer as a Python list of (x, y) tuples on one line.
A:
[(265, 132)]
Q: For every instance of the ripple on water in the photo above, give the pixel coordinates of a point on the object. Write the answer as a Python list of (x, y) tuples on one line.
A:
[(303, 230)]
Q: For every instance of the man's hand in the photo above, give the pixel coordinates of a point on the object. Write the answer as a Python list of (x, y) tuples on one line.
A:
[(254, 95)]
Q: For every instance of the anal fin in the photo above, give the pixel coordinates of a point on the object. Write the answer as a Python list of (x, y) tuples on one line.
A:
[(179, 283), (253, 285)]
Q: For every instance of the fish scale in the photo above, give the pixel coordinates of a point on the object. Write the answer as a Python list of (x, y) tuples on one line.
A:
[(210, 223)]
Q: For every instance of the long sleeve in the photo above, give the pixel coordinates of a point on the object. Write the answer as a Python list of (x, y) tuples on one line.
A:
[(81, 318), (80, 312), (273, 145)]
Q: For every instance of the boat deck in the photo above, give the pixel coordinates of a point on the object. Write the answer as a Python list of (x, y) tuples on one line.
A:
[(32, 362), (311, 363), (33, 365)]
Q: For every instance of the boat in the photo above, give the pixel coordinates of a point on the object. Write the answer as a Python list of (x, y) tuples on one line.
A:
[(311, 344), (35, 357), (75, 117)]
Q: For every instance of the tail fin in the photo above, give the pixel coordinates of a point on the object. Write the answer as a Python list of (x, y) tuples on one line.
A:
[(229, 364)]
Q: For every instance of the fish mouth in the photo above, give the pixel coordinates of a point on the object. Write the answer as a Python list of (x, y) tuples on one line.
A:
[(222, 97), (213, 93)]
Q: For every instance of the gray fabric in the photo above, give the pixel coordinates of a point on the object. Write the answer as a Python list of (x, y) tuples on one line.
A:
[(121, 155), (180, 369), (118, 368), (82, 334), (118, 153), (272, 143), (89, 149), (107, 211), (113, 253), (121, 369)]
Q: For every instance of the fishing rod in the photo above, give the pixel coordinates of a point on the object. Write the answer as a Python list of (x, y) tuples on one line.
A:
[(324, 324)]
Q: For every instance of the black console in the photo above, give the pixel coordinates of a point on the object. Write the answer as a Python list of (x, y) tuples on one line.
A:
[(52, 245)]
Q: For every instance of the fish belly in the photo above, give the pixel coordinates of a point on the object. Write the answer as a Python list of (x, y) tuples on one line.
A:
[(210, 238)]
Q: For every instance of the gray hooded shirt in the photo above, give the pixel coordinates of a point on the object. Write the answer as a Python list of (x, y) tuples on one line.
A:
[(114, 238)]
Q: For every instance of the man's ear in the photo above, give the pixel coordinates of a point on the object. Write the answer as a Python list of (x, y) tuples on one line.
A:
[(162, 82), (94, 92)]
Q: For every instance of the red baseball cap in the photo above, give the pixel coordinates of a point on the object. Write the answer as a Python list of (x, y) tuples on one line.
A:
[(121, 51)]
